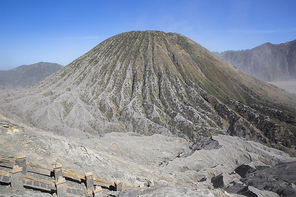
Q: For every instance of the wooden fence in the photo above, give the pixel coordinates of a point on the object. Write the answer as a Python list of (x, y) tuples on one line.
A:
[(21, 175)]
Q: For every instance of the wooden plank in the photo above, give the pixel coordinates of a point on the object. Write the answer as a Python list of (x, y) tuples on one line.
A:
[(36, 166), (38, 169), (102, 181), (8, 163), (69, 176), (4, 173), (51, 183), (99, 181), (38, 188), (4, 160), (106, 183), (73, 174)]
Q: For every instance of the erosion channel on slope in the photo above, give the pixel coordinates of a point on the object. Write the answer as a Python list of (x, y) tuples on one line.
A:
[(151, 82)]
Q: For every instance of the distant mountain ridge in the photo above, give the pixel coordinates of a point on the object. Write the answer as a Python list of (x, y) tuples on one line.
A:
[(27, 75), (268, 62)]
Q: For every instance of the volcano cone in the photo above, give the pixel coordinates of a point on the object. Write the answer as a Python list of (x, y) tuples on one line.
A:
[(154, 82)]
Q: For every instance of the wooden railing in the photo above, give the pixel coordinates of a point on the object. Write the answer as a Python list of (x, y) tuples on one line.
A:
[(22, 175)]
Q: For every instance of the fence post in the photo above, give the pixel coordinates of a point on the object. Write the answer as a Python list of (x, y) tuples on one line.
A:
[(118, 185), (61, 187), (57, 171), (21, 162), (98, 191), (17, 179), (89, 182)]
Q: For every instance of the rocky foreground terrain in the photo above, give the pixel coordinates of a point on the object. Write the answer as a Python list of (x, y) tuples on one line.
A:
[(171, 166)]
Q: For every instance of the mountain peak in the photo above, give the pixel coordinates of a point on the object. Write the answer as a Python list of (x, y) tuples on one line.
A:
[(155, 82)]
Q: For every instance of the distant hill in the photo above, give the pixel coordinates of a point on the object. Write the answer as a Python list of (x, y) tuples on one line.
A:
[(27, 75), (269, 62)]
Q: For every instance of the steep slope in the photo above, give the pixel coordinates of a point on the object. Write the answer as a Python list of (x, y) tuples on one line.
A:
[(27, 75), (268, 62), (154, 82)]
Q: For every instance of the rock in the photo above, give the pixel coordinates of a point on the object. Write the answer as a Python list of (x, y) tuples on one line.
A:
[(278, 178), (150, 183), (249, 191), (217, 181), (235, 187), (207, 143), (262, 193), (242, 170)]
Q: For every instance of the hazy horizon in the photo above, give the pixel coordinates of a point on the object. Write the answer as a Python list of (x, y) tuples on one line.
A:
[(289, 85)]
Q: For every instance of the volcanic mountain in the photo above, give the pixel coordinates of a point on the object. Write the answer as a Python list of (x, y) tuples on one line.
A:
[(154, 82)]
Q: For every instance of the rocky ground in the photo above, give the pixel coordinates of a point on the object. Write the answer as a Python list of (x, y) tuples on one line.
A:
[(279, 178), (157, 165)]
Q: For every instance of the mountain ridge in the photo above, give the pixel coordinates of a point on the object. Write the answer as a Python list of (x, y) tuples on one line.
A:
[(268, 62), (154, 82), (27, 75)]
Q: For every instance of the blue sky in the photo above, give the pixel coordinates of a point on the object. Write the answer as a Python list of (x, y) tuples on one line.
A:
[(61, 31)]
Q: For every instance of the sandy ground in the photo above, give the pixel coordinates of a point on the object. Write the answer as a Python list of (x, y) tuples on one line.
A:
[(287, 85)]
